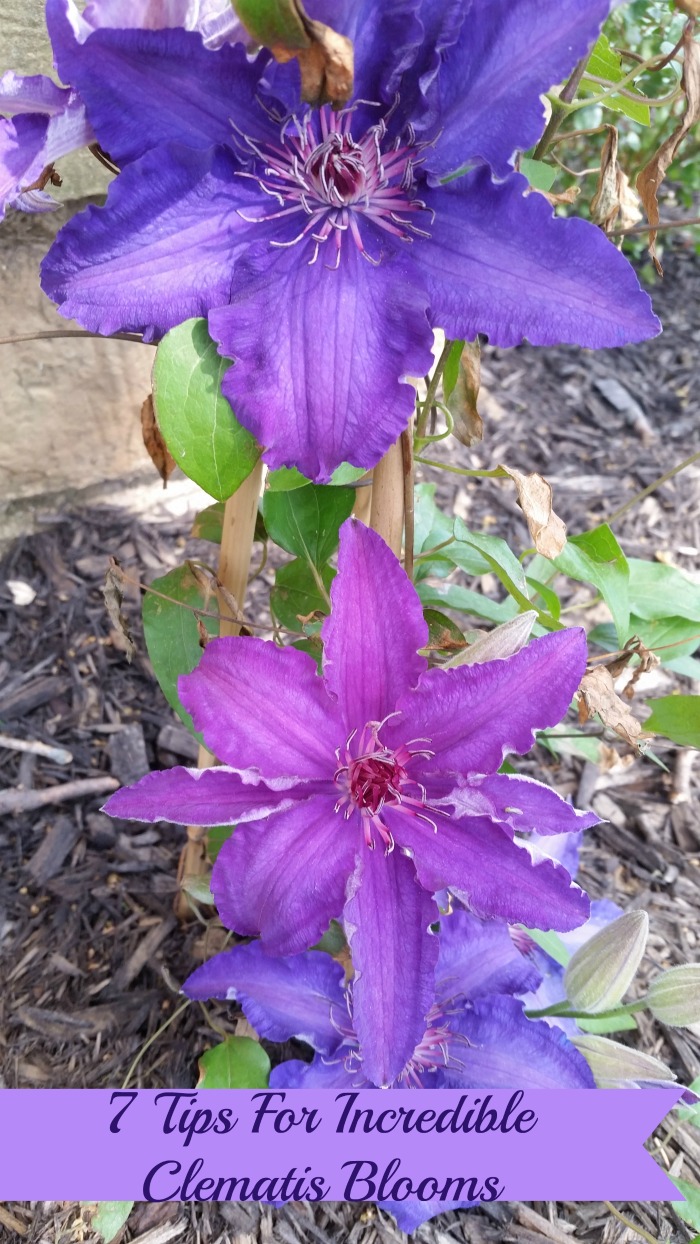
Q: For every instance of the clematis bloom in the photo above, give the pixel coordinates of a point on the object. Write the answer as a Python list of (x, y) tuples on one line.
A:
[(325, 247), (476, 1036), (362, 794)]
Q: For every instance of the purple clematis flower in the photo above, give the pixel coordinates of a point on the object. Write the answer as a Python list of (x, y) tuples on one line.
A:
[(476, 1034), (325, 247), (366, 792)]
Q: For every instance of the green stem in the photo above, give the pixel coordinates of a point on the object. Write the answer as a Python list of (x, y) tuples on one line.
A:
[(422, 420), (562, 1010), (150, 1041), (560, 110), (497, 473)]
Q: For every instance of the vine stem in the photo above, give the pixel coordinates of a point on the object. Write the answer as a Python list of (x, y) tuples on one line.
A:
[(655, 483), (237, 534), (434, 384), (560, 110)]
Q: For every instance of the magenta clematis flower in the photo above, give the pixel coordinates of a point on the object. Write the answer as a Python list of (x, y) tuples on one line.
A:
[(362, 794), (325, 247)]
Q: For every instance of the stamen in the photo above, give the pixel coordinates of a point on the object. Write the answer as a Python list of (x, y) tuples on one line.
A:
[(338, 180)]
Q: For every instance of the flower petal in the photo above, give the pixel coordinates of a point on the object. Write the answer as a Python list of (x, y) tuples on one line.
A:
[(520, 802), (281, 998), (387, 923), (263, 707), (502, 264), (285, 878), (161, 250), (509, 54), (503, 1049), (332, 345), (475, 714), (187, 93), (478, 957), (410, 1215), (492, 875), (324, 1073), (198, 797), (32, 141), (376, 625), (36, 93)]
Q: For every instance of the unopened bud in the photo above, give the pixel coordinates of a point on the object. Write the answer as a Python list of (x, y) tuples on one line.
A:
[(614, 1065), (674, 996), (601, 971)]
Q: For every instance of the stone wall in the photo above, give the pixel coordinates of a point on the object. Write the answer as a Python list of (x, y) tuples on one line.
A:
[(69, 408)]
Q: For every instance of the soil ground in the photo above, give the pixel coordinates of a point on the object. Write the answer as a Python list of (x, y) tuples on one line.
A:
[(92, 956)]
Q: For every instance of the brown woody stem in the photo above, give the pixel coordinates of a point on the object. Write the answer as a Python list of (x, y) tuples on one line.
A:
[(234, 565), (387, 509)]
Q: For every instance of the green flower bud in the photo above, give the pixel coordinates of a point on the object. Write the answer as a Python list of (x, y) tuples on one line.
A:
[(674, 996), (601, 971), (614, 1064)]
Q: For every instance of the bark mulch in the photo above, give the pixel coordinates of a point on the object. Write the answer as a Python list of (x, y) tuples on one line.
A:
[(91, 954)]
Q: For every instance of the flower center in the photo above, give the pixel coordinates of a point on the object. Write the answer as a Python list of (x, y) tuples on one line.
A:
[(431, 1052), (339, 183), (372, 778)]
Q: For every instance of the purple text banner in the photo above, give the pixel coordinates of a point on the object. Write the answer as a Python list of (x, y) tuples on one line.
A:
[(255, 1145)]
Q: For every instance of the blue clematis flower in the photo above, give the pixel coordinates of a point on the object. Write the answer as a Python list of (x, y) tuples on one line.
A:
[(325, 247), (476, 1034)]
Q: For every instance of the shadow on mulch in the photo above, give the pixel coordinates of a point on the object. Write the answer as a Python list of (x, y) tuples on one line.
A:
[(91, 954)]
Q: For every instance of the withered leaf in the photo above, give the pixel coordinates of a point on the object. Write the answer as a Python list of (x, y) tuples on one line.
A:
[(468, 424), (557, 198), (691, 7), (113, 592), (598, 695), (156, 447), (652, 175), (614, 201), (547, 530), (502, 641), (325, 57)]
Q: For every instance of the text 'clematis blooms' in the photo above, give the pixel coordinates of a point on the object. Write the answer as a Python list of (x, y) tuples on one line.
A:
[(325, 247), (362, 794), (476, 1035)]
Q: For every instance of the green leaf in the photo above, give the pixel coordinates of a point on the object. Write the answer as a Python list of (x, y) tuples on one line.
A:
[(677, 717), (551, 944), (239, 1062), (285, 479), (443, 634), (306, 521), (602, 1027), (502, 561), (653, 587), (670, 638), (574, 743), (296, 593), (197, 422), (199, 889), (605, 63), (689, 1209), (109, 1217), (450, 374), (171, 634), (465, 600), (209, 523), (596, 557), (549, 598), (217, 835), (541, 176)]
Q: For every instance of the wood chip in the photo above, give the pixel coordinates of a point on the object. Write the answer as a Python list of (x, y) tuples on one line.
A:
[(57, 844)]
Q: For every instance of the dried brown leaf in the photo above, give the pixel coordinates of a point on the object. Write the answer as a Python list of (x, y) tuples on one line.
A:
[(561, 197), (614, 202), (597, 695), (468, 424), (203, 634), (691, 7), (652, 175), (547, 530), (327, 67), (156, 447), (113, 592)]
